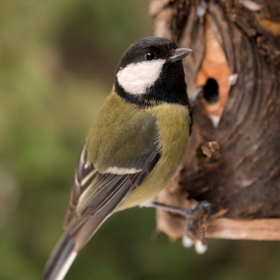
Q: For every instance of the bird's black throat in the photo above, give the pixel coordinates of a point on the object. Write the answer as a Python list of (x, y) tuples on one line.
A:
[(170, 87)]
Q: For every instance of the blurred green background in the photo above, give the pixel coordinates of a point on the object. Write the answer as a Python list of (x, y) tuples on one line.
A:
[(57, 62)]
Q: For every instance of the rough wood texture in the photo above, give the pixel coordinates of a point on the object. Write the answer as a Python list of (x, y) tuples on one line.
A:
[(228, 37)]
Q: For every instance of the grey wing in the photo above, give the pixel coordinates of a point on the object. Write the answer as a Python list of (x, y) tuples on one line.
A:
[(78, 187), (100, 195)]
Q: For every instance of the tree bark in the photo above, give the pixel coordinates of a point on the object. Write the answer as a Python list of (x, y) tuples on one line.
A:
[(233, 156)]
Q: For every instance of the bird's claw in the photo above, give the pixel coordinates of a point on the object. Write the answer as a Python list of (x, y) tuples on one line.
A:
[(196, 227)]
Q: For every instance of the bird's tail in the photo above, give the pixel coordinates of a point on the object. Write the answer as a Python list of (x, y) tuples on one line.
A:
[(77, 234), (62, 256)]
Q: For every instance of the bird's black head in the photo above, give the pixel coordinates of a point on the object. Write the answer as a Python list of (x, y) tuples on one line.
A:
[(151, 71)]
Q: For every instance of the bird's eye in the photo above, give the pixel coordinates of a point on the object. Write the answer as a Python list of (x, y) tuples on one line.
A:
[(150, 56)]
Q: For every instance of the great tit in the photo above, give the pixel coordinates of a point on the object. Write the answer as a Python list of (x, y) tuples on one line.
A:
[(134, 146)]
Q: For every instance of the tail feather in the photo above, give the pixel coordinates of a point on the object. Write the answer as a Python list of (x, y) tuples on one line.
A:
[(66, 265), (78, 233), (61, 258)]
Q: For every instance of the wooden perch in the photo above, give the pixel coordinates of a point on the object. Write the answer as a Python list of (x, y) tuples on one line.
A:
[(236, 64), (259, 229)]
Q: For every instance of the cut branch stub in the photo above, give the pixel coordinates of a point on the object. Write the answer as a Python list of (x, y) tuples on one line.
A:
[(243, 181)]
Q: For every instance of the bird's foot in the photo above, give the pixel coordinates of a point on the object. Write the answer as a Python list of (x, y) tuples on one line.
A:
[(196, 227), (197, 222)]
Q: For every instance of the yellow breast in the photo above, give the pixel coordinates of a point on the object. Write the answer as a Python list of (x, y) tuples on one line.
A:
[(173, 123)]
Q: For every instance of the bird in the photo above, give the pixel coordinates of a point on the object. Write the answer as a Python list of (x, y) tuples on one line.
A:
[(134, 146)]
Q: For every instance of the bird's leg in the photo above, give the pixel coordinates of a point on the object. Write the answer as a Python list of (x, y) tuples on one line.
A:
[(197, 221), (184, 212)]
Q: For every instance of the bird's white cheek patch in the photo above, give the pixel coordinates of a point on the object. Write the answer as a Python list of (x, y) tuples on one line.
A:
[(136, 78)]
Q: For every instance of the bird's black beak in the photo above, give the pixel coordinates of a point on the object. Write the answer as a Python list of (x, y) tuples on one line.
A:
[(178, 54)]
